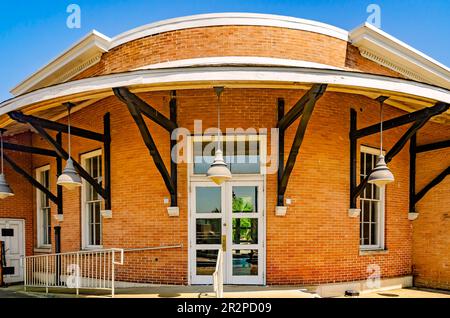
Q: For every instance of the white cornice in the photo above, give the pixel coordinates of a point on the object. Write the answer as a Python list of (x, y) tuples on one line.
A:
[(71, 62), (384, 49), (221, 19)]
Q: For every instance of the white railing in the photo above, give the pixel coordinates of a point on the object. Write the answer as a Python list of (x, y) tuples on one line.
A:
[(78, 270), (218, 275)]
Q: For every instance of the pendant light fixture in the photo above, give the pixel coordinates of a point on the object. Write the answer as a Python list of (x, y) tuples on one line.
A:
[(381, 175), (69, 179), (218, 172), (5, 190)]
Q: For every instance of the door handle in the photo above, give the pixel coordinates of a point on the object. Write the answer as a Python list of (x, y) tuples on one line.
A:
[(224, 243)]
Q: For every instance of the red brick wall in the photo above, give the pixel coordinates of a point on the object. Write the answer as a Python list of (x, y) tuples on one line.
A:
[(431, 239), (315, 243), (234, 41), (21, 204)]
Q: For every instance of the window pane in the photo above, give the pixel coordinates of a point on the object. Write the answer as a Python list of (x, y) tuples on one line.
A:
[(362, 164), (373, 234), (206, 261), (241, 156), (368, 163), (245, 231), (366, 233), (209, 231), (369, 188), (245, 262), (375, 210), (91, 234), (366, 211), (208, 200), (245, 199)]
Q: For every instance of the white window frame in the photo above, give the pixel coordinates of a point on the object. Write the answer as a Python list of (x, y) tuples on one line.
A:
[(84, 217), (260, 138), (381, 214), (39, 234)]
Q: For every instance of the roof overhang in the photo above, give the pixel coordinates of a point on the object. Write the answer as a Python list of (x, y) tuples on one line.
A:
[(80, 56), (375, 44), (405, 94)]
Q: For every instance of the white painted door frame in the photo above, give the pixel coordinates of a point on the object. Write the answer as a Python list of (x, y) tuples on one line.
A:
[(226, 225)]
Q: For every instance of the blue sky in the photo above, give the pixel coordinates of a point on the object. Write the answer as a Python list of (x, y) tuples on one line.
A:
[(33, 32)]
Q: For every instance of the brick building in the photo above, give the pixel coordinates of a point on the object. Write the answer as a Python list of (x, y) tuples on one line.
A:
[(284, 218)]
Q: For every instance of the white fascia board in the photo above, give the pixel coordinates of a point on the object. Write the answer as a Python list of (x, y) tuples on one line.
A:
[(236, 61), (385, 46), (232, 74), (223, 19), (93, 43)]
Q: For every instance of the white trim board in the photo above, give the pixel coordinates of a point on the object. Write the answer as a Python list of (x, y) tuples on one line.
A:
[(237, 61), (212, 75)]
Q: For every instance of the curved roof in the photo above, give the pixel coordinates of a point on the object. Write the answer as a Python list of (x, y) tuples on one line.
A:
[(373, 44)]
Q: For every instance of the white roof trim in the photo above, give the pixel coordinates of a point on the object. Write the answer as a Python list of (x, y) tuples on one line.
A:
[(237, 61), (235, 74), (387, 50), (86, 52), (221, 19)]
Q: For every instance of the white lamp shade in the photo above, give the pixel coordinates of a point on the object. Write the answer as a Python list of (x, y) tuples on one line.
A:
[(69, 179), (381, 175), (219, 172), (5, 190)]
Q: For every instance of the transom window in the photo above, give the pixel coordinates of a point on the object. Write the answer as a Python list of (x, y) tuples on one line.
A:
[(92, 201), (44, 228), (241, 153), (372, 204)]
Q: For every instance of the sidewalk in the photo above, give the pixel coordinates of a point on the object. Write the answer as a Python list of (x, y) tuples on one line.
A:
[(206, 292), (174, 292)]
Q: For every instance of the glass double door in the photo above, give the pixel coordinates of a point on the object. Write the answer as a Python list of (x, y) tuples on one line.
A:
[(231, 217)]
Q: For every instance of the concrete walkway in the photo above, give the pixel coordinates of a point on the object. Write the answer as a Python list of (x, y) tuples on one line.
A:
[(206, 292), (14, 292)]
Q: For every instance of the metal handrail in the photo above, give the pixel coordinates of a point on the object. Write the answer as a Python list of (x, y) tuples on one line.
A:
[(218, 275), (91, 269), (162, 247)]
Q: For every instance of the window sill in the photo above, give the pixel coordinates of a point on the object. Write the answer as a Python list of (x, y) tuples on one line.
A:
[(43, 249), (373, 252)]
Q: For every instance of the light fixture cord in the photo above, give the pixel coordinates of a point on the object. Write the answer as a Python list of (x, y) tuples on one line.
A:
[(381, 128), (1, 141), (68, 131), (218, 121)]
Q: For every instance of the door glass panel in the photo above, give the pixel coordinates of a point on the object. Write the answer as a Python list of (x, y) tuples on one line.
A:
[(245, 262), (206, 261), (245, 231), (209, 231), (245, 199), (208, 200)]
